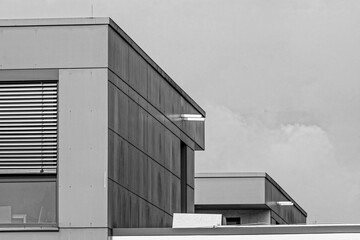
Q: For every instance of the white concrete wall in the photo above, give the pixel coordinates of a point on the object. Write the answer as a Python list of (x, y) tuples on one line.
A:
[(334, 236), (64, 234), (83, 125), (229, 191), (53, 47)]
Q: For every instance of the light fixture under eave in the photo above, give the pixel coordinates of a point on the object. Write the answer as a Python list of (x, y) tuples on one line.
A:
[(192, 117), (285, 203), (187, 117)]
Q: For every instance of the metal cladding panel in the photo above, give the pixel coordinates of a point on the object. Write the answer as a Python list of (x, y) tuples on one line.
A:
[(118, 110), (28, 126), (162, 97), (154, 89), (53, 47), (190, 199), (144, 110), (283, 214), (138, 73), (118, 159), (175, 195), (190, 165), (221, 191), (83, 147), (118, 55)]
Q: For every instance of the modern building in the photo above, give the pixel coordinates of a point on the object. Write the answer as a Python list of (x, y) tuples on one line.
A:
[(94, 135), (246, 198)]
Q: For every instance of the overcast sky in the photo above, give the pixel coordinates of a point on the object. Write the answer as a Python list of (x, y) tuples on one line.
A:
[(279, 80)]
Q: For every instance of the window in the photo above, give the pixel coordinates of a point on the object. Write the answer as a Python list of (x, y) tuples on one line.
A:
[(233, 221), (28, 127), (28, 151), (183, 175), (28, 200)]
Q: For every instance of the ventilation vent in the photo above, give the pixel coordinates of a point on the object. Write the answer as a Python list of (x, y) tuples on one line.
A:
[(28, 127)]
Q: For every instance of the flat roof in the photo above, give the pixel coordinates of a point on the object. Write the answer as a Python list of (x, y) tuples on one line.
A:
[(100, 21), (251, 175), (241, 230)]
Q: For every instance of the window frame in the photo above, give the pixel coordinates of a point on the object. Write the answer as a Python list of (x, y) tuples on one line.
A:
[(32, 178), (31, 75), (233, 220)]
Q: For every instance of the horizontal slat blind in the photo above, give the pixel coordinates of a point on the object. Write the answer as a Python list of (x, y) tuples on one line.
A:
[(28, 126)]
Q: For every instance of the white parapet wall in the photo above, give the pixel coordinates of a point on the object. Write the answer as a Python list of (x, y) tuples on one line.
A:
[(265, 232), (191, 220)]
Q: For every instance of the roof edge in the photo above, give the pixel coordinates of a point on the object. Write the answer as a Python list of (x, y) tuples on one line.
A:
[(149, 60), (54, 21), (230, 175), (241, 230), (275, 184), (100, 21), (251, 175)]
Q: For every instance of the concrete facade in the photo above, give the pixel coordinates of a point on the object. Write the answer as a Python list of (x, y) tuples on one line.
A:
[(124, 157), (248, 198)]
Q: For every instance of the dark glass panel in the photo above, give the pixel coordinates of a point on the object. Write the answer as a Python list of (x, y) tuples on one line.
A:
[(27, 202)]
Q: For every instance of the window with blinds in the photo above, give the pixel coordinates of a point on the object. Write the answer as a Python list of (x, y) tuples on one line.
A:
[(28, 127)]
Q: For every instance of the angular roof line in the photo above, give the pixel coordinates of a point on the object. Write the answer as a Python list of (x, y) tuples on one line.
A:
[(100, 21), (251, 175)]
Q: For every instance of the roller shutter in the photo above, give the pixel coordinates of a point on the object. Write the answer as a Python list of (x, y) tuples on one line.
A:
[(28, 126)]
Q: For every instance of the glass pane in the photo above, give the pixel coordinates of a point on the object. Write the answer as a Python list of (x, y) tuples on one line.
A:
[(27, 203), (233, 221)]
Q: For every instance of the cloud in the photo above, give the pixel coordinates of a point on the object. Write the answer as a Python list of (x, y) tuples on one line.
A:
[(301, 158), (247, 141)]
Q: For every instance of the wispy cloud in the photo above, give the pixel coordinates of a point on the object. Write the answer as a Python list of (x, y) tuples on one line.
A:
[(300, 157)]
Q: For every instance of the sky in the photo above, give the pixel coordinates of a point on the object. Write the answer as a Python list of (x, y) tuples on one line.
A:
[(278, 79)]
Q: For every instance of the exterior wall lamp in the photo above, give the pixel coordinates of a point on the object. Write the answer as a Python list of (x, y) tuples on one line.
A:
[(188, 117), (284, 203)]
